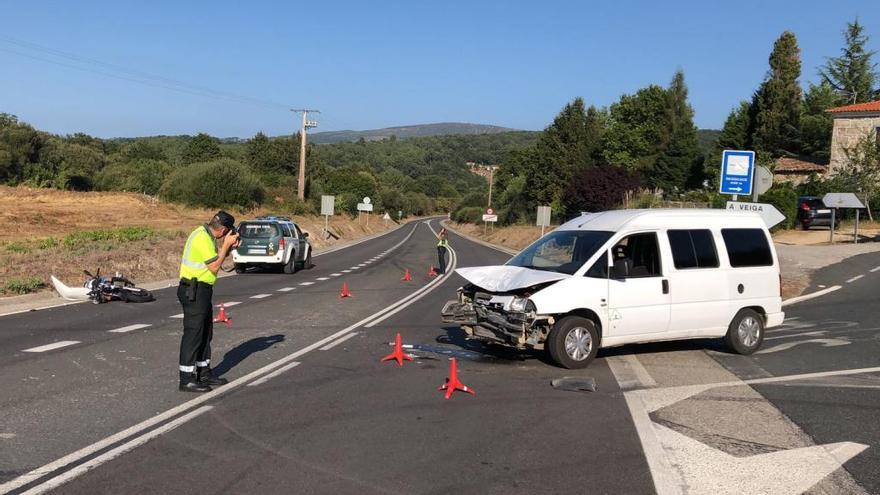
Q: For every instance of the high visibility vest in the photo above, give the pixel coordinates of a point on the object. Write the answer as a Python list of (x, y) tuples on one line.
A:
[(443, 243), (198, 252)]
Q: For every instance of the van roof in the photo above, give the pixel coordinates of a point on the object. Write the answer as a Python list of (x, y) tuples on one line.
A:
[(615, 220)]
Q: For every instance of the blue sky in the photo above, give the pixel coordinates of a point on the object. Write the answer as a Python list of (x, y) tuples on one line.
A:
[(377, 64)]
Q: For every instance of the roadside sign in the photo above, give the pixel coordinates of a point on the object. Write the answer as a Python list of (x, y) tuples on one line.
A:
[(763, 179), (364, 207), (737, 172), (327, 204), (366, 199), (490, 218), (490, 211), (399, 214), (842, 200), (768, 212), (543, 216), (386, 216)]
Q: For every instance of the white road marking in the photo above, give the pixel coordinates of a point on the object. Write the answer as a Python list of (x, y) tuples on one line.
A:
[(229, 304), (875, 269), (306, 283), (789, 345), (812, 295), (335, 274), (87, 451), (638, 376), (355, 268), (260, 296), (286, 289), (363, 264), (112, 454), (136, 326), (854, 278), (273, 374), (337, 342), (322, 278), (178, 315), (345, 271), (50, 347)]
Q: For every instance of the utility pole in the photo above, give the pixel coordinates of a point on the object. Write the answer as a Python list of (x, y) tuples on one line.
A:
[(306, 124), (492, 169)]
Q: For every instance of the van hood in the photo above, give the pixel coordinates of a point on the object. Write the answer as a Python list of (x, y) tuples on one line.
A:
[(504, 278)]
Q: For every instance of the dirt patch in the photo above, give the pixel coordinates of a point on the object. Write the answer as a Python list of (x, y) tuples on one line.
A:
[(36, 223)]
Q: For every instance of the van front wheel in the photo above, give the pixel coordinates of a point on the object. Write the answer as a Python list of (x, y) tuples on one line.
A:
[(573, 342), (746, 332)]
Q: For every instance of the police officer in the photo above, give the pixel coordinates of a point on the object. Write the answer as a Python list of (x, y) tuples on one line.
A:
[(198, 271), (442, 247)]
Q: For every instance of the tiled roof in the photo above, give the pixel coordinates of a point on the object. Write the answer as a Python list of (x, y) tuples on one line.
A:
[(798, 166), (870, 106)]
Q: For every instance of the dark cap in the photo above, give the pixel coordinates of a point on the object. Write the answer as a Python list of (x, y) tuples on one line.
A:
[(225, 219)]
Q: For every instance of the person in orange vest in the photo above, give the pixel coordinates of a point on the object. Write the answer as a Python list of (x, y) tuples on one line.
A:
[(198, 272), (442, 247)]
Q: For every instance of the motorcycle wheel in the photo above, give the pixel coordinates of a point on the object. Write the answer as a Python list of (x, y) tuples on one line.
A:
[(136, 296)]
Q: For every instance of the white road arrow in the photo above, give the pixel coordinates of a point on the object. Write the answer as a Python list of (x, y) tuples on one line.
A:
[(788, 345)]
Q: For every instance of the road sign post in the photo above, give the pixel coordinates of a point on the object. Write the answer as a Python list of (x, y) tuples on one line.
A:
[(490, 216), (843, 200), (737, 172)]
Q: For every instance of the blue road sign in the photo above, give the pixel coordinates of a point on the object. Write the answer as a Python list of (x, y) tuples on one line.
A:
[(737, 171)]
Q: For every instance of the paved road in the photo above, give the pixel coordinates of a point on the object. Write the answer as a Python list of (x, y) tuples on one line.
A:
[(312, 410)]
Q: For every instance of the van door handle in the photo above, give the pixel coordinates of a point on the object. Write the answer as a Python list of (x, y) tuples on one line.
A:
[(665, 286)]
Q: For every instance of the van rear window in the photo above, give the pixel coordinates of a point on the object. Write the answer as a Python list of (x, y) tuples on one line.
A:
[(693, 249), (747, 247), (258, 230)]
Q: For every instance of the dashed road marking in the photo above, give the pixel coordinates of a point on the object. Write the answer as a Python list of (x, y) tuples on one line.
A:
[(322, 278), (50, 347), (335, 274), (364, 264), (136, 326), (306, 283), (337, 342), (875, 269), (260, 296), (346, 271), (229, 304), (355, 268), (286, 289), (810, 296), (273, 374), (854, 278), (178, 315)]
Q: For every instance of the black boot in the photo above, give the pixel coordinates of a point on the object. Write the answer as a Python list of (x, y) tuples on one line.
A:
[(206, 377), (189, 383)]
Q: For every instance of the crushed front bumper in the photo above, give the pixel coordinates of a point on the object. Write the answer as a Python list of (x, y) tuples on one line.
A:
[(511, 328)]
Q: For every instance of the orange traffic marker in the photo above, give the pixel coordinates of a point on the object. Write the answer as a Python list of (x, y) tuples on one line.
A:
[(452, 383), (406, 276), (432, 272), (344, 292), (223, 317), (398, 354)]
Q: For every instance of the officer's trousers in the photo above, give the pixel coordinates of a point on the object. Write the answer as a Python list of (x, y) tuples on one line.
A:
[(198, 326)]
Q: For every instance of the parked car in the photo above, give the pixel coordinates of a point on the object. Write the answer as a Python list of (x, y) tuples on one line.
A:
[(628, 276), (812, 212), (272, 241)]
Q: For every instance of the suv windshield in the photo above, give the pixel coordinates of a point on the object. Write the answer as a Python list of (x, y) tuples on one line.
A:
[(561, 251), (258, 230)]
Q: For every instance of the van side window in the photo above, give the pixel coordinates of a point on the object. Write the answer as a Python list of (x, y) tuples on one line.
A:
[(637, 256), (747, 247), (599, 268), (693, 249)]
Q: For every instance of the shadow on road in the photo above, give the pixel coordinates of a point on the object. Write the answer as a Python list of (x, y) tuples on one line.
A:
[(240, 352)]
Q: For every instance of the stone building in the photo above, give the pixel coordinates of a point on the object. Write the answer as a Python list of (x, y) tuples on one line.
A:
[(852, 123), (796, 171)]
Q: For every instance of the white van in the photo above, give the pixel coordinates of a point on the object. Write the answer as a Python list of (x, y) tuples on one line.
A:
[(628, 276)]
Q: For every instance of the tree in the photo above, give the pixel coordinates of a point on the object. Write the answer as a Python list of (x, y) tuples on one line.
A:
[(779, 100), (638, 129), (680, 162), (201, 148), (852, 74), (816, 122), (599, 188)]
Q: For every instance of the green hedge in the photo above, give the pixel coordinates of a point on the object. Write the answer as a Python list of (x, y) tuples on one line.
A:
[(784, 197), (218, 183)]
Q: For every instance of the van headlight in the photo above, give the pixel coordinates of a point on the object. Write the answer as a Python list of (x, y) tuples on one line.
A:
[(519, 304)]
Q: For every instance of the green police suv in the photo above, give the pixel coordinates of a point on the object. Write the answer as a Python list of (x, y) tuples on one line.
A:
[(272, 241)]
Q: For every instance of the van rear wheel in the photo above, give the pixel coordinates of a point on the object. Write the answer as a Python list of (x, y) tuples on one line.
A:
[(573, 342), (746, 332)]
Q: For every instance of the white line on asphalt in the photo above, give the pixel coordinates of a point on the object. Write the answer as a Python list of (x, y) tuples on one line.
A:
[(363, 264), (306, 283), (875, 269), (273, 374), (178, 315), (50, 347), (345, 271), (811, 295), (322, 278), (229, 304), (337, 342), (260, 296), (355, 268), (112, 454), (854, 278), (641, 377), (286, 289), (136, 326), (161, 417), (335, 274)]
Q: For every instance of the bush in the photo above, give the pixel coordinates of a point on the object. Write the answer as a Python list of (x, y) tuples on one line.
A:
[(143, 176), (218, 183), (23, 285), (784, 197), (469, 214), (126, 234), (598, 189)]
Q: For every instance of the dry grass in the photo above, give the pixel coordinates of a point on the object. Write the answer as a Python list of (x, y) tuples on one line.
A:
[(36, 222)]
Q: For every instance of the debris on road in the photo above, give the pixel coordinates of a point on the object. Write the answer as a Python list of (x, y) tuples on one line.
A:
[(574, 384)]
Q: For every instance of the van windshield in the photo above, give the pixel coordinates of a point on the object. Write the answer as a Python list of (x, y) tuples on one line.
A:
[(561, 251), (258, 230)]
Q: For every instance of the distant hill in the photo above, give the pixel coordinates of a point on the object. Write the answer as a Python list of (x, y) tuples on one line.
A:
[(403, 132)]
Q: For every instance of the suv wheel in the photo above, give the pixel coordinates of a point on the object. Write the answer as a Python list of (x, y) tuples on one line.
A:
[(240, 267), (746, 332), (573, 342), (290, 266)]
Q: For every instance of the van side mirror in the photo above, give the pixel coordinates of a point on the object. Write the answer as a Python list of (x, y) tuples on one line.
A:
[(620, 269)]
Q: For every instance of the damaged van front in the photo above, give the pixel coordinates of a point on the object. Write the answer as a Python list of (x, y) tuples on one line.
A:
[(516, 304)]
